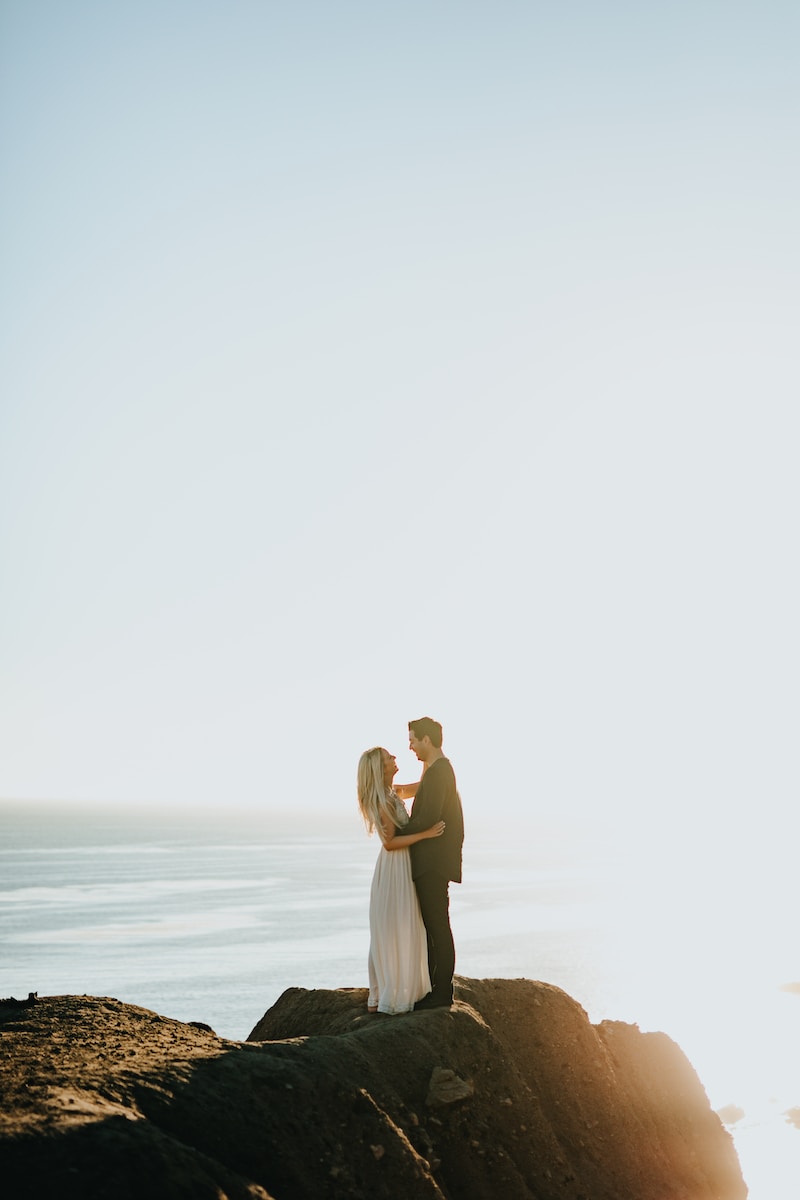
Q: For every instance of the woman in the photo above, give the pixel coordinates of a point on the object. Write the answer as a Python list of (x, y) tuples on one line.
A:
[(398, 952)]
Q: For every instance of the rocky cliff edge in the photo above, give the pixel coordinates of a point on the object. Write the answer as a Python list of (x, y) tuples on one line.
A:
[(510, 1093)]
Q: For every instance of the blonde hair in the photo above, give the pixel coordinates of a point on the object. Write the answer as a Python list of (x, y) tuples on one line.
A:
[(373, 801)]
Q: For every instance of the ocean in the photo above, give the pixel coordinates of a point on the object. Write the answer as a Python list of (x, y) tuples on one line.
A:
[(210, 915)]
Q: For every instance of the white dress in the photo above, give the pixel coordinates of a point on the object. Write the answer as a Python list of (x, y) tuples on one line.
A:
[(398, 952)]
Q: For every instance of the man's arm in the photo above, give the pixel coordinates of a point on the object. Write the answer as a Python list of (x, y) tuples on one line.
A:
[(429, 803), (394, 839)]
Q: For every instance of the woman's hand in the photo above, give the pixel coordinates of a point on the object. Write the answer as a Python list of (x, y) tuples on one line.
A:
[(435, 830)]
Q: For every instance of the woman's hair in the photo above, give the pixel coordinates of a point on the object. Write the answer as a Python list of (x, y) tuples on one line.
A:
[(372, 798)]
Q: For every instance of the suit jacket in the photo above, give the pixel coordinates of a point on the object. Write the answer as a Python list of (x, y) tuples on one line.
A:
[(437, 799)]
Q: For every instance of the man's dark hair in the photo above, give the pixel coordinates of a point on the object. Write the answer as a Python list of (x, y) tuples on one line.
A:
[(427, 727)]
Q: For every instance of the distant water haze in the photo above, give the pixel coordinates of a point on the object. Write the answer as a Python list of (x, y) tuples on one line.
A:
[(209, 916)]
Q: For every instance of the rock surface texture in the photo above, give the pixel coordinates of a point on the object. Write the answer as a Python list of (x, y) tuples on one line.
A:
[(510, 1093)]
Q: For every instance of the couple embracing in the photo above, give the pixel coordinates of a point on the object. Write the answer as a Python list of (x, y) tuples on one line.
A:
[(411, 955)]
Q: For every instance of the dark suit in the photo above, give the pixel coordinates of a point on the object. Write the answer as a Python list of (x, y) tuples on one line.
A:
[(434, 863)]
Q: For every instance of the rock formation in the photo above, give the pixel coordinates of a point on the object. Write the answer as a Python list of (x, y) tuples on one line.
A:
[(510, 1093)]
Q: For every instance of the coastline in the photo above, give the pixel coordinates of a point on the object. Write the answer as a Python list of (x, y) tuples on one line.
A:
[(211, 918), (512, 1089)]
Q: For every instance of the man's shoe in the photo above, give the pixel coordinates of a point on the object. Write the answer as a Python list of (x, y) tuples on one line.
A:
[(433, 1001)]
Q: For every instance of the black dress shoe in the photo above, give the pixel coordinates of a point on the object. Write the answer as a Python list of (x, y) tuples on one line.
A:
[(433, 1001)]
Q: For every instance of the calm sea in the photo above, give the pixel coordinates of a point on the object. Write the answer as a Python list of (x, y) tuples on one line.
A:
[(209, 916)]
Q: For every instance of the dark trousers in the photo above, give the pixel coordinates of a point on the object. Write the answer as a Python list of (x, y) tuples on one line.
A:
[(434, 903)]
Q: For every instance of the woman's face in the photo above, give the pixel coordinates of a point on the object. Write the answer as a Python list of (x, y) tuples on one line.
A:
[(389, 764)]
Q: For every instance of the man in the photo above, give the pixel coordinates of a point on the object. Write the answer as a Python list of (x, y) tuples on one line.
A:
[(435, 861)]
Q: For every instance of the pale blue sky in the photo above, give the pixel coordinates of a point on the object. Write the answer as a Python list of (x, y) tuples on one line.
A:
[(364, 361)]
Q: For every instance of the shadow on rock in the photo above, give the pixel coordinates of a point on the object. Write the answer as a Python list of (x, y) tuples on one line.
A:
[(512, 1092)]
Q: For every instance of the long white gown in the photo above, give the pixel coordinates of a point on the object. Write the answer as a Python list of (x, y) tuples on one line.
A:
[(398, 952)]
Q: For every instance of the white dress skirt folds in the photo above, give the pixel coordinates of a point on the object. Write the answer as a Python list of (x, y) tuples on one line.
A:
[(398, 952)]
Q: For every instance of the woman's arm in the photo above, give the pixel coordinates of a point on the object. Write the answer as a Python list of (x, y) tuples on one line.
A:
[(392, 840), (406, 791)]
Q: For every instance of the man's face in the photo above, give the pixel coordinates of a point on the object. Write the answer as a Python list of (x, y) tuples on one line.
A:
[(420, 746)]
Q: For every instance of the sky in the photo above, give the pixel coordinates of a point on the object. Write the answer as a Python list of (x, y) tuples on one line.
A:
[(367, 361)]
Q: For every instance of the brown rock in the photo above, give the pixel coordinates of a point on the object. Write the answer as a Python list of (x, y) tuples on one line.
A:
[(300, 1110), (447, 1088)]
